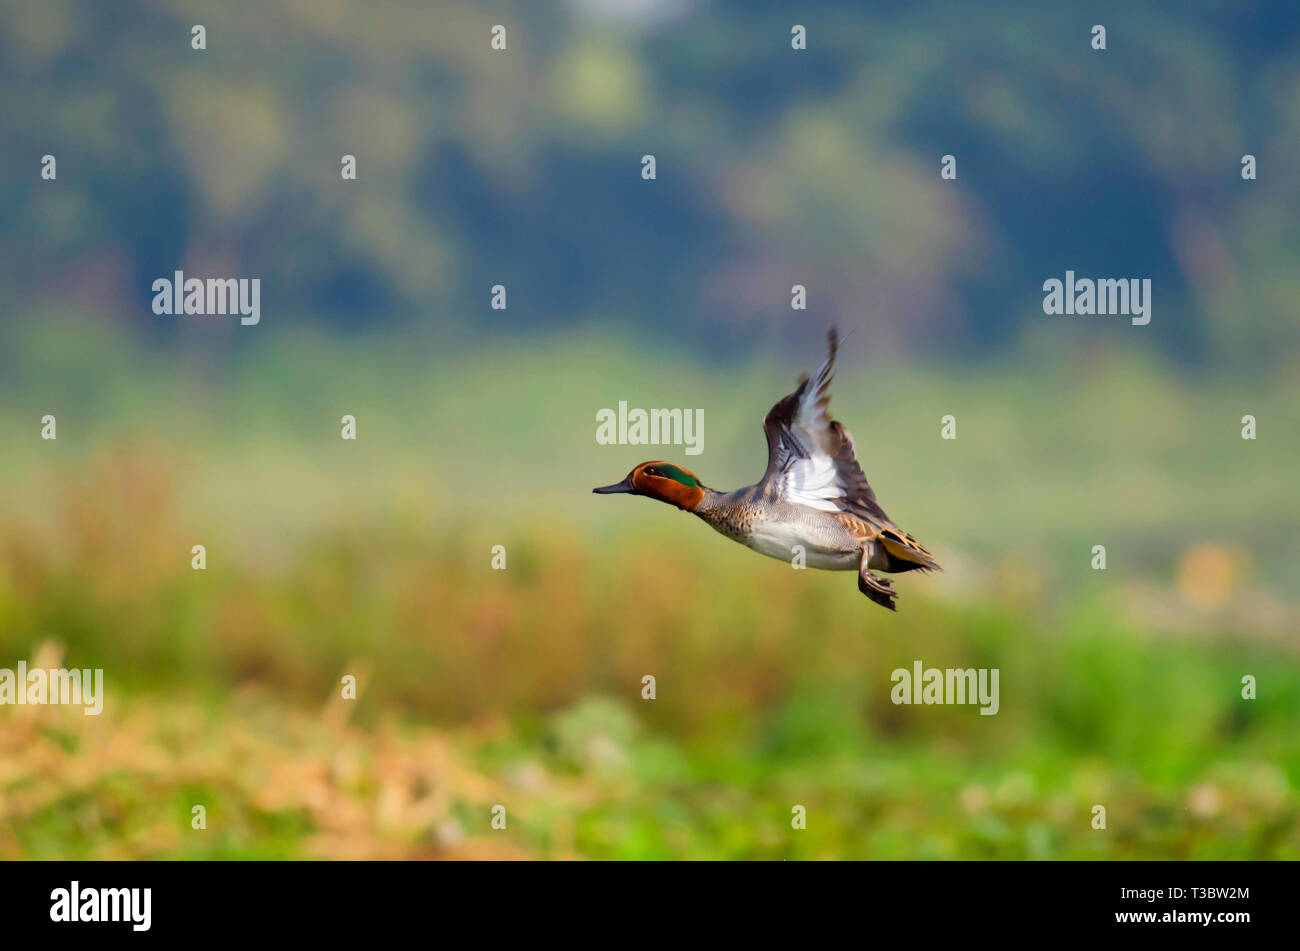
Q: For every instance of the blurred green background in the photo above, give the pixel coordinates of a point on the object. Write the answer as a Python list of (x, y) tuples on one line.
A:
[(476, 428)]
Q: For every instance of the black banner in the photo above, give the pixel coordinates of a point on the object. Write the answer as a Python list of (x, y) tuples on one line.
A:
[(1219, 901)]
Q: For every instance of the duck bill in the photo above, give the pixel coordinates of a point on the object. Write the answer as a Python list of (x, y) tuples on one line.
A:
[(624, 486)]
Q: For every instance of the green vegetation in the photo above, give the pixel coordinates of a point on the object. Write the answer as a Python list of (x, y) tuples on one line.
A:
[(476, 427), (523, 687)]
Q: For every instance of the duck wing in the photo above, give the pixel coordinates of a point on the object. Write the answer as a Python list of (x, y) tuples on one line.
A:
[(810, 457)]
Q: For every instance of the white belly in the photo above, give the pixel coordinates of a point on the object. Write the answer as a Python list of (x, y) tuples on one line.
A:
[(779, 540)]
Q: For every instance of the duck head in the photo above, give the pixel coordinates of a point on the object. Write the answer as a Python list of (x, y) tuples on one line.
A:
[(660, 480)]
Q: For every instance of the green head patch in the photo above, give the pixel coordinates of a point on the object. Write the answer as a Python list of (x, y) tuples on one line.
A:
[(667, 470)]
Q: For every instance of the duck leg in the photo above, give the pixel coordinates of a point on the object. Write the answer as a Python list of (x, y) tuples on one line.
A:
[(877, 589)]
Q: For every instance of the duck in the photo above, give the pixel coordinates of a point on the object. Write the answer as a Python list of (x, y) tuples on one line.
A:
[(813, 501)]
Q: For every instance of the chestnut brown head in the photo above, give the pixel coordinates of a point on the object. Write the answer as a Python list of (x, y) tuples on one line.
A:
[(660, 480)]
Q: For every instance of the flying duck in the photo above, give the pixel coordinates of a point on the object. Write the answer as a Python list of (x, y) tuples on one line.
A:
[(813, 496)]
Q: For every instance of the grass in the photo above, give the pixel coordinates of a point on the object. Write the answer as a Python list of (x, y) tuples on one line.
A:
[(523, 687)]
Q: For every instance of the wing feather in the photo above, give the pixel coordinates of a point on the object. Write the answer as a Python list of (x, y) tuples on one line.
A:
[(811, 459)]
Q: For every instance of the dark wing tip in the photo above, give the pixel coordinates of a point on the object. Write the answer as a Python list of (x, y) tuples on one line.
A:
[(833, 345)]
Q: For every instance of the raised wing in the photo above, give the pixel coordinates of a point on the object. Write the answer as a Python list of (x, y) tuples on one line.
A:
[(810, 457)]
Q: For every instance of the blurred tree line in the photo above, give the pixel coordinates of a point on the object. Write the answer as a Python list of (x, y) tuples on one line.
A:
[(775, 167)]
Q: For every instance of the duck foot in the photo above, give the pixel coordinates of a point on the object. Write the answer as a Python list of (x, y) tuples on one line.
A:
[(877, 589)]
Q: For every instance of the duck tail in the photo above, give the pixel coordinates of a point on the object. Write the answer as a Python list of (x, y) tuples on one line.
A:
[(905, 553)]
